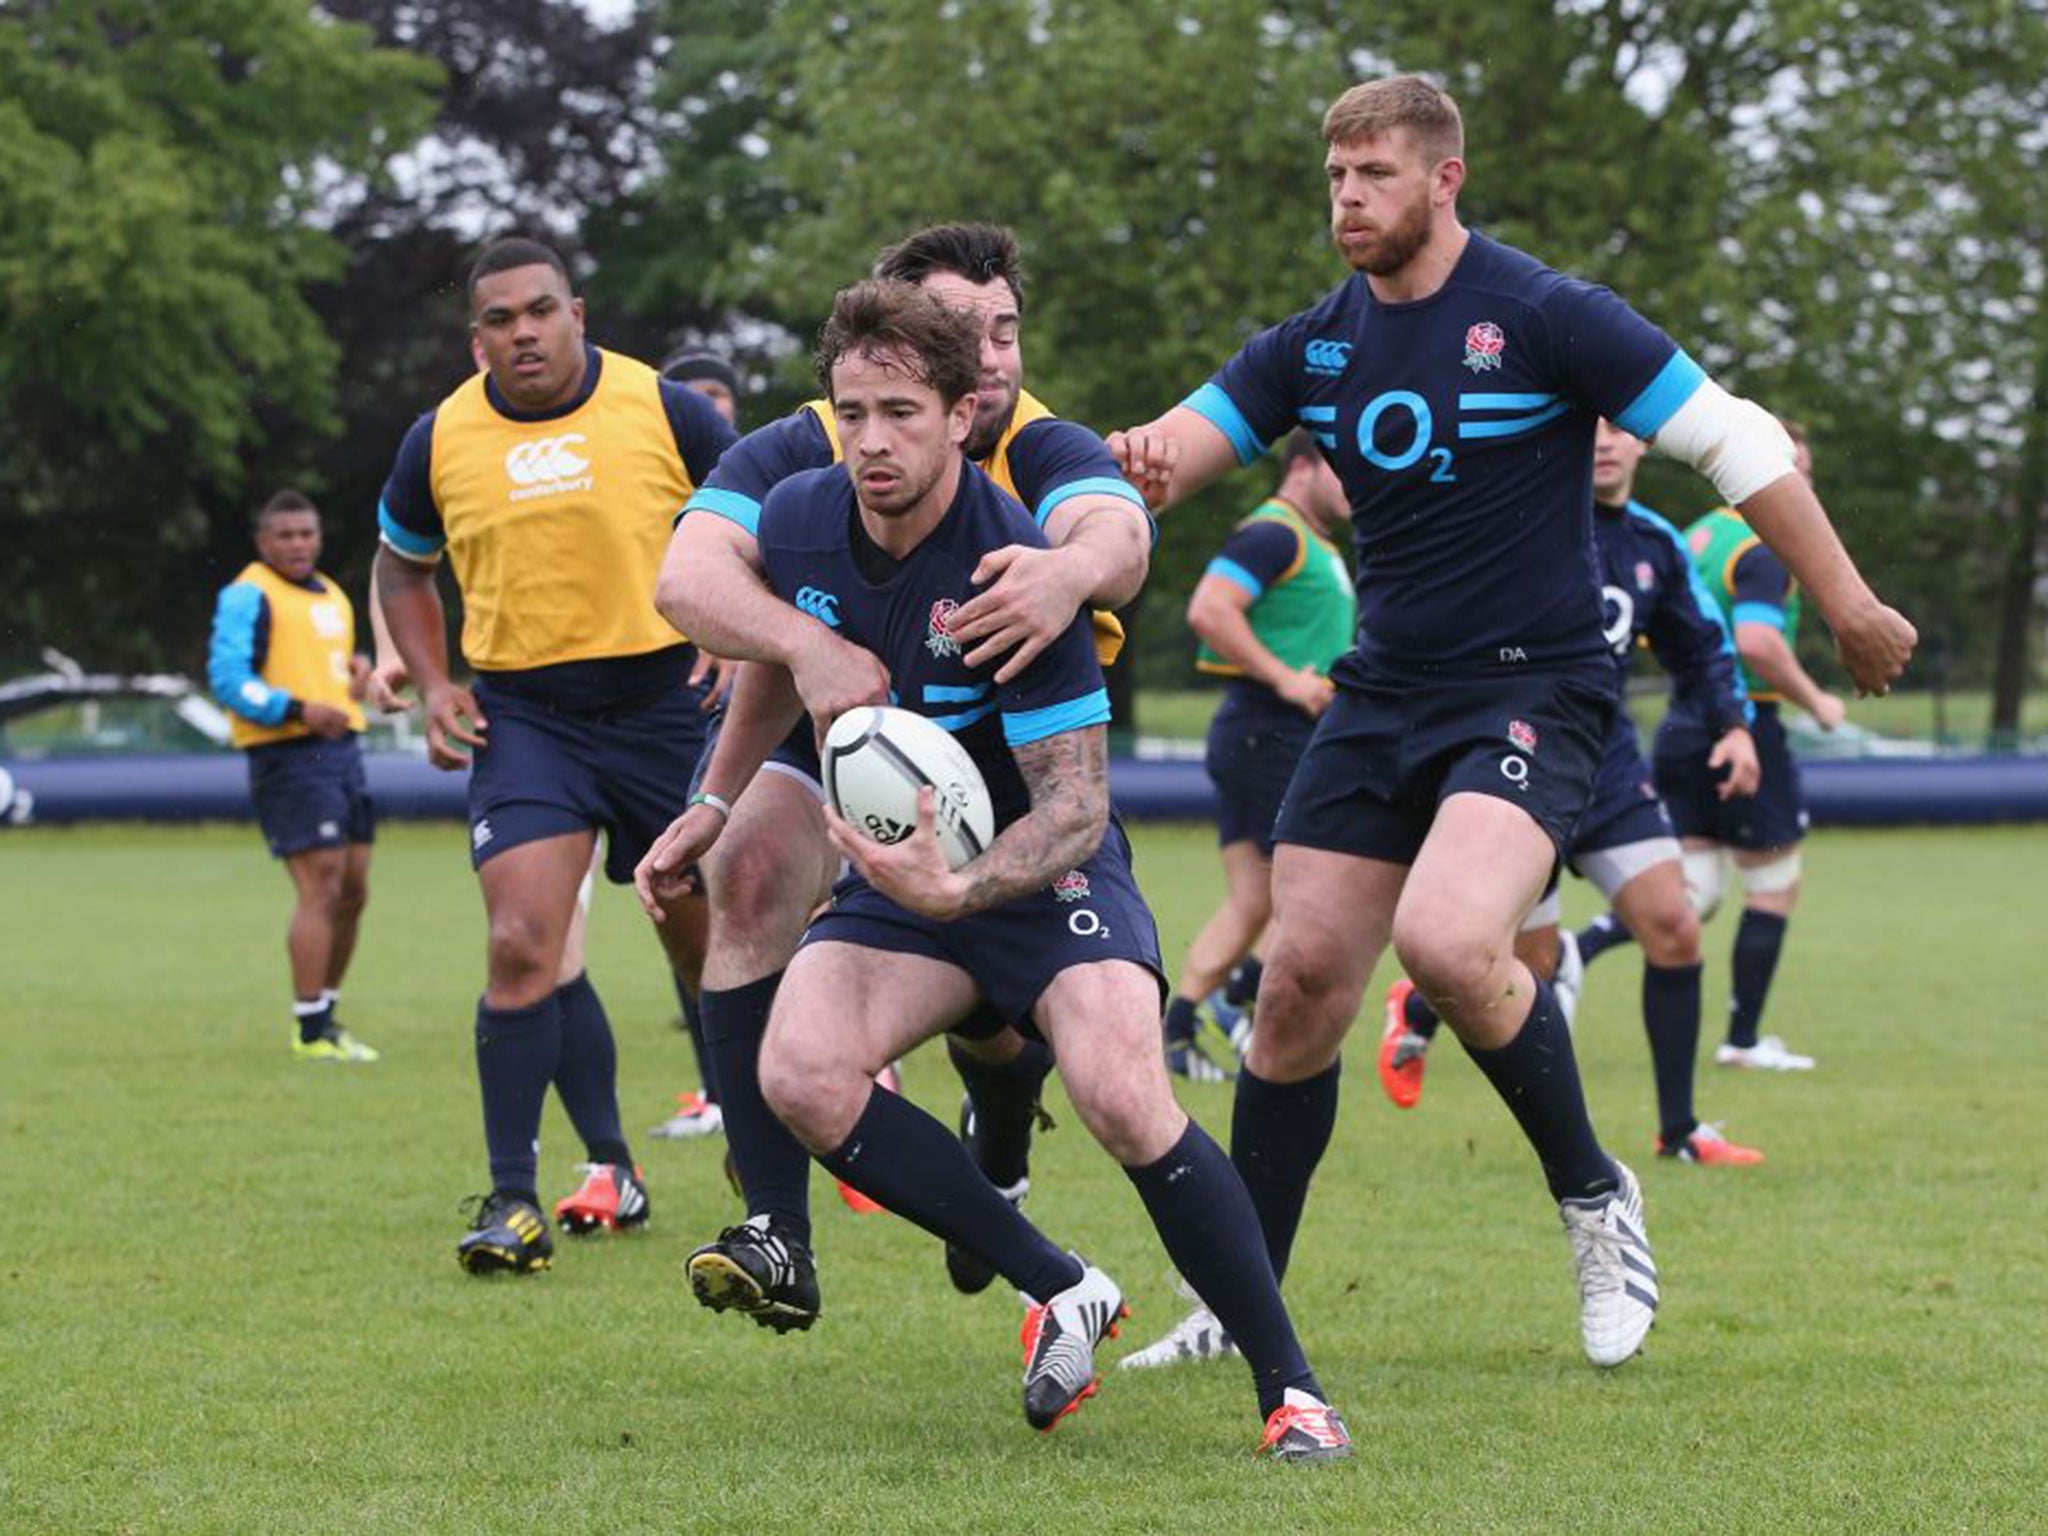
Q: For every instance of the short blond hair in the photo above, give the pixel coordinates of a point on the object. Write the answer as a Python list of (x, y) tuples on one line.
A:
[(1424, 108)]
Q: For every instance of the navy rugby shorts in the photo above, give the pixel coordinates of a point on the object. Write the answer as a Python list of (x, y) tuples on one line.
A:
[(1389, 750), (1254, 745), (546, 771), (1013, 951), (311, 793), (1774, 817)]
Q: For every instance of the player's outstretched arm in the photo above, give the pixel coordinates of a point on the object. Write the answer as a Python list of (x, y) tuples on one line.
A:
[(412, 611), (1741, 448), (763, 709), (712, 588), (1102, 547), (1873, 640), (1170, 458)]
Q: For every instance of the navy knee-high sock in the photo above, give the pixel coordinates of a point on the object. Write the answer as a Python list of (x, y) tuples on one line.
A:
[(1205, 1218), (587, 1072), (1005, 1100), (1180, 1023), (1671, 1016), (1605, 932), (693, 1024), (1278, 1133), (516, 1052), (1422, 1019), (899, 1155), (1538, 1077), (1758, 939), (773, 1167)]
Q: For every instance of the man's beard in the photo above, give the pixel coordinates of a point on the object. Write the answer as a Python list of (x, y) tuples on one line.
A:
[(983, 437), (1396, 246)]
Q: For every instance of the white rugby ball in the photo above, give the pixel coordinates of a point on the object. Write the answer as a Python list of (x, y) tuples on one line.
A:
[(876, 759)]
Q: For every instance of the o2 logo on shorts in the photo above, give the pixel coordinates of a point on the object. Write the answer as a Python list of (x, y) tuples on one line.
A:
[(1515, 769), (1083, 923)]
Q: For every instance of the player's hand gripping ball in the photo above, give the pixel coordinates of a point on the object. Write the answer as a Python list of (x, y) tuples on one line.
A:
[(876, 759)]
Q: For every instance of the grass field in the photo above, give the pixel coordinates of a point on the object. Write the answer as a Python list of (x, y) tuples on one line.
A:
[(228, 1301), (1964, 716)]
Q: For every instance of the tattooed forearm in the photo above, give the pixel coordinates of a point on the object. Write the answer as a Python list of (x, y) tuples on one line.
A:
[(1068, 776)]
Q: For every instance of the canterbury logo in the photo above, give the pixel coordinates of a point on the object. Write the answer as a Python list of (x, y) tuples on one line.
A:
[(819, 604), (1326, 357), (546, 459)]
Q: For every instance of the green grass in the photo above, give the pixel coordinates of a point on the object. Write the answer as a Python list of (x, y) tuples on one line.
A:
[(228, 1301), (1965, 717)]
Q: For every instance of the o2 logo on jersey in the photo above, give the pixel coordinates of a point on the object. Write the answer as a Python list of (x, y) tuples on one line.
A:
[(1399, 406), (1617, 618)]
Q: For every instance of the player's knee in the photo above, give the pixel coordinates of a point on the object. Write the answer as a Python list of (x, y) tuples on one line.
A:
[(1127, 1115), (1303, 1018), (519, 951), (1444, 960), (811, 1101), (1669, 934), (352, 896), (756, 889)]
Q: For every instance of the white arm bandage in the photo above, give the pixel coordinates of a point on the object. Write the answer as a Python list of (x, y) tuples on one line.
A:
[(1735, 443)]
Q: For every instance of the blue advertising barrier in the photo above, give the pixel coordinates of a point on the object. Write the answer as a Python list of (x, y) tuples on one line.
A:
[(1852, 792)]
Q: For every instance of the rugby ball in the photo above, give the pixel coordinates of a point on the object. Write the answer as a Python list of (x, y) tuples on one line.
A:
[(876, 759)]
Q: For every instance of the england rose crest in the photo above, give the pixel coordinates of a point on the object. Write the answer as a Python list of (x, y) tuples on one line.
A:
[(938, 635), (1484, 344), (1522, 734), (1072, 886)]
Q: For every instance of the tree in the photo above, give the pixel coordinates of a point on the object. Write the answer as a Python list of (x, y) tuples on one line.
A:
[(1914, 154), (160, 179)]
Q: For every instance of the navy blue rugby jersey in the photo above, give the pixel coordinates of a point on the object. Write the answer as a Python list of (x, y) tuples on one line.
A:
[(808, 530), (1461, 425), (1652, 595)]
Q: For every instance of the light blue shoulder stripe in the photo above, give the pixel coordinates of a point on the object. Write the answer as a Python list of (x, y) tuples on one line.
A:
[(1237, 575), (1660, 400), (730, 505), (231, 657), (1214, 406), (1029, 725), (1100, 485), (417, 546)]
